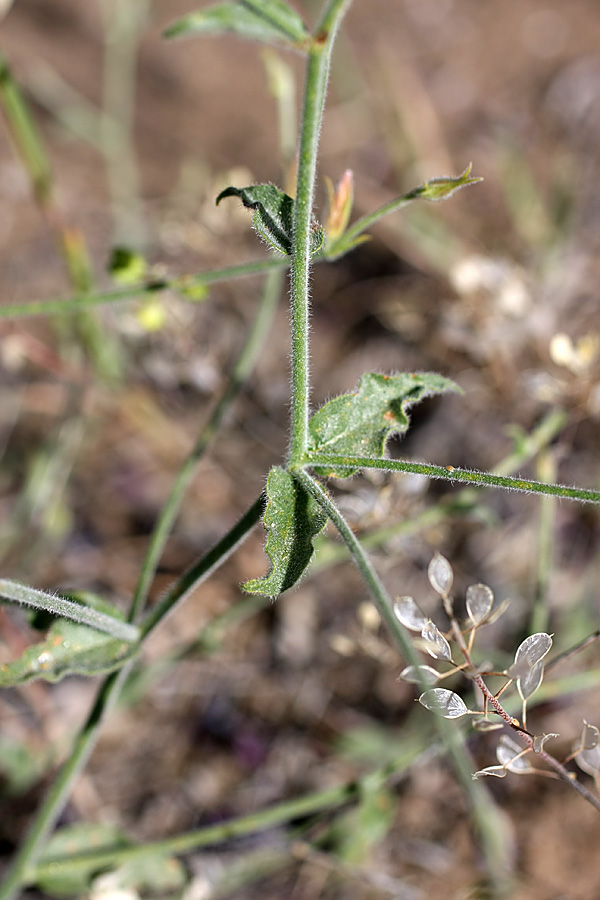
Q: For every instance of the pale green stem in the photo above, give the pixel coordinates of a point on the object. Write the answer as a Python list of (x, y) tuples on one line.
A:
[(450, 473), (182, 283), (200, 571), (297, 808), (76, 612), (56, 798), (317, 73), (484, 812), (54, 802)]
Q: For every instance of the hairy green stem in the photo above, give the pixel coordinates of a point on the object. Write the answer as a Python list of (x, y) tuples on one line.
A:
[(450, 473), (486, 819), (317, 73), (364, 565), (200, 571), (68, 609), (287, 811)]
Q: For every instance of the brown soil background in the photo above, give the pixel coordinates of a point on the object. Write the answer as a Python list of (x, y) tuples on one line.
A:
[(418, 89)]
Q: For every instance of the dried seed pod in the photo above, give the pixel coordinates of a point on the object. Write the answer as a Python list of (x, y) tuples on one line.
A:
[(435, 642), (408, 613), (529, 653), (440, 575), (444, 702), (480, 599), (419, 675), (508, 754)]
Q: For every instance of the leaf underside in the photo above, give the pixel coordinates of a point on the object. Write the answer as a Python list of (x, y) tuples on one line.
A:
[(292, 519), (69, 649), (361, 423), (267, 21), (273, 218)]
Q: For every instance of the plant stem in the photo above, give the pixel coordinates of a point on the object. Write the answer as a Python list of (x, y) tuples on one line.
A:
[(450, 473), (56, 798), (240, 372), (68, 609), (318, 802), (317, 73), (200, 571), (364, 565), (484, 813), (181, 283)]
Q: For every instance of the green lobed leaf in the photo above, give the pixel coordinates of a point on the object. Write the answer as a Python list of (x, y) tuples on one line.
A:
[(158, 875), (359, 424), (70, 648), (292, 519), (70, 841), (268, 21), (273, 217)]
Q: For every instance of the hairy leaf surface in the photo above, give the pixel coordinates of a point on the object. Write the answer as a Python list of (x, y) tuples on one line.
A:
[(273, 218), (70, 648), (359, 424), (292, 519)]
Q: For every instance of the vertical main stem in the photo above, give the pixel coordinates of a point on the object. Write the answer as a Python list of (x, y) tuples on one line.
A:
[(317, 73)]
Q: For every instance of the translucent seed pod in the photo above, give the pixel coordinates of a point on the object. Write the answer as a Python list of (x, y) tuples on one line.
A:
[(440, 575), (480, 599), (435, 642), (444, 703), (408, 613)]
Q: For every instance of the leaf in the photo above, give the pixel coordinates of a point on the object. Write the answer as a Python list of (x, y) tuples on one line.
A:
[(435, 642), (444, 702), (70, 649), (273, 217), (70, 841), (159, 875), (408, 613), (268, 21), (444, 186), (359, 424), (480, 599), (440, 575), (292, 519)]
